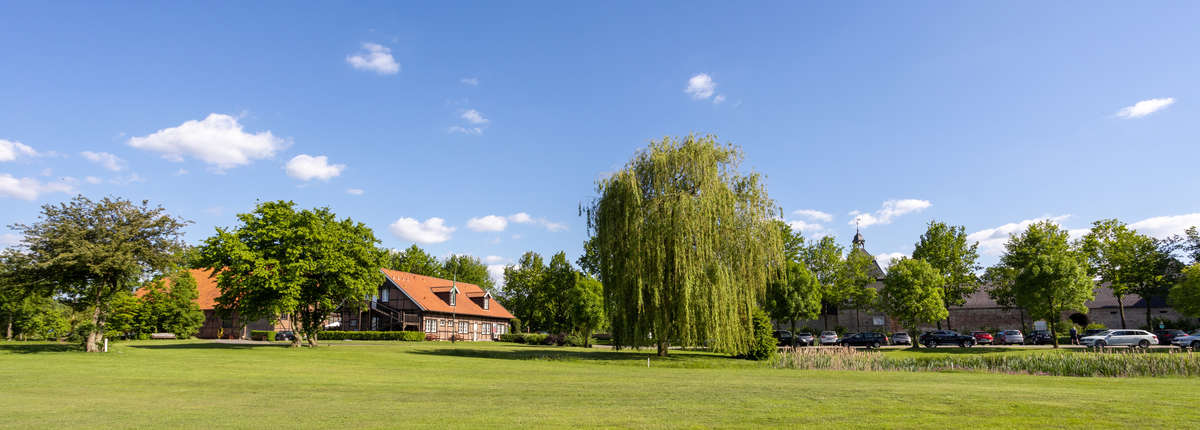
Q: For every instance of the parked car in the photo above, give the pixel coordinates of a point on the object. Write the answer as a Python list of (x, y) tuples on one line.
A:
[(1009, 337), (1092, 332), (982, 337), (1130, 338), (804, 339), (829, 338), (1190, 341), (932, 339), (1165, 336), (867, 339), (901, 338), (1039, 337), (783, 337), (285, 335)]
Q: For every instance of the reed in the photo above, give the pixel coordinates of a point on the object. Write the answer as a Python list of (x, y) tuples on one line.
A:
[(1111, 362)]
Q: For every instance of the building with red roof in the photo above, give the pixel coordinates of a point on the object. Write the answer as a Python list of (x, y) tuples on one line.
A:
[(442, 308)]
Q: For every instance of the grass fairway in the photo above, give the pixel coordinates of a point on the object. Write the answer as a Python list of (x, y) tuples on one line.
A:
[(193, 384)]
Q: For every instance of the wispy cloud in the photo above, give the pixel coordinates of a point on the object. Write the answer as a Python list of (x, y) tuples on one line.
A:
[(700, 86), (474, 117), (813, 214), (891, 209), (1145, 107), (104, 159), (992, 240), (487, 223), (474, 82), (473, 131), (355, 191), (11, 150), (31, 188)]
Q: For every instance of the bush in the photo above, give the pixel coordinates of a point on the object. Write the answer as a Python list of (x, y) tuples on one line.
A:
[(513, 337), (407, 336), (1095, 326), (516, 325), (1092, 363), (578, 340), (535, 339), (268, 335), (840, 330), (762, 346)]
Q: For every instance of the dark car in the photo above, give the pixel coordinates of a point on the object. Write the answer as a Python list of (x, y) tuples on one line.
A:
[(783, 337), (901, 338), (285, 335), (982, 337), (1039, 337), (932, 339), (869, 340), (1166, 336)]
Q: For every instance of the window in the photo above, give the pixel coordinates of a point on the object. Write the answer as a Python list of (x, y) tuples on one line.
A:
[(462, 327), (441, 323), (353, 323), (487, 328), (485, 302), (430, 326), (452, 295), (383, 294)]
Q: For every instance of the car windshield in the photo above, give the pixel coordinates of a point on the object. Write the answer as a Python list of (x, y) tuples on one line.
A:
[(804, 334), (1104, 333), (828, 333), (900, 334)]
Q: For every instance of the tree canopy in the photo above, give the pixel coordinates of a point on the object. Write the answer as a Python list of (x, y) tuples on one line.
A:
[(824, 259), (685, 246), (300, 263), (947, 250), (1185, 295), (93, 250), (912, 293), (796, 296), (1048, 277)]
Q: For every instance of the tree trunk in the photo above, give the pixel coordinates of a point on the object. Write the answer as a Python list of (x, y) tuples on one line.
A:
[(1053, 333), (295, 332), (793, 332), (662, 348), (8, 330), (1149, 325), (1121, 307), (312, 339), (93, 337)]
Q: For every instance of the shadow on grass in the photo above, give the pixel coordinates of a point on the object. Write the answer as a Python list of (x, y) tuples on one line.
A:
[(211, 345), (35, 348), (550, 353)]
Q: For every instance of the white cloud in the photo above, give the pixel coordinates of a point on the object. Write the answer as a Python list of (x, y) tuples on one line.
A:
[(497, 273), (887, 258), (217, 140), (355, 191), (92, 180), (487, 223), (494, 259), (470, 81), (524, 218), (125, 180), (813, 214), (890, 209), (700, 86), (520, 218), (376, 58), (718, 99), (47, 172), (10, 150), (474, 131), (181, 172), (1145, 107), (306, 168), (992, 240), (104, 159), (474, 117), (432, 230), (30, 188), (1163, 226)]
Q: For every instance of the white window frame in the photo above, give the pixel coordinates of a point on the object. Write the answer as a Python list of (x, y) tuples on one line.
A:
[(383, 294)]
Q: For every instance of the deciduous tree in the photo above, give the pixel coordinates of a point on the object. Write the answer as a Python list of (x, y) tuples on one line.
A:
[(1048, 276), (824, 259), (794, 297), (93, 250), (1185, 295), (1108, 247), (686, 246), (912, 293), (947, 249), (281, 261), (466, 268)]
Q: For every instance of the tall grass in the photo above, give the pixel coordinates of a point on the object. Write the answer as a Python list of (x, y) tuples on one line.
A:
[(1091, 363)]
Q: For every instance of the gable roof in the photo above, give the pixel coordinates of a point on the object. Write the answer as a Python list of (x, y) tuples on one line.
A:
[(206, 288), (424, 290)]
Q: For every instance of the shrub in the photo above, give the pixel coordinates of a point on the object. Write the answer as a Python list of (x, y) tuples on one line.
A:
[(267, 335), (407, 336), (535, 339), (578, 340), (1095, 326), (840, 330), (1113, 363), (762, 346), (516, 325), (512, 337)]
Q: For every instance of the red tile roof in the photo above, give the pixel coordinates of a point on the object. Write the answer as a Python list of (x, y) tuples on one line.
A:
[(206, 287), (424, 290)]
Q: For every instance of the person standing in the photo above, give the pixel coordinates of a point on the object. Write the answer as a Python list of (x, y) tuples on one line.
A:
[(1074, 336)]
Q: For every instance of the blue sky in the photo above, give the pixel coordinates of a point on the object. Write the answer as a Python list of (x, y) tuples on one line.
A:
[(982, 115)]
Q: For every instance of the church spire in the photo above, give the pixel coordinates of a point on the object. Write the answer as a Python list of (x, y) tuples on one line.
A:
[(858, 237)]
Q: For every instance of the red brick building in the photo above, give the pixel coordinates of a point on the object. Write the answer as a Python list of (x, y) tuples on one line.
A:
[(214, 326), (439, 307)]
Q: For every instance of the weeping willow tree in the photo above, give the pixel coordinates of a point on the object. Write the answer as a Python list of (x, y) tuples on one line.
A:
[(685, 246)]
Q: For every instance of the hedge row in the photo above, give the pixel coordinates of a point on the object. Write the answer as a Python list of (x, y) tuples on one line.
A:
[(545, 339), (262, 335), (409, 336)]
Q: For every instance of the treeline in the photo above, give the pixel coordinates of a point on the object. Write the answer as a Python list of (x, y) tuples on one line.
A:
[(554, 298), (464, 268)]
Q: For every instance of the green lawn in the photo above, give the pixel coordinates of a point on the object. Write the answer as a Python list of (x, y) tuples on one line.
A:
[(171, 384)]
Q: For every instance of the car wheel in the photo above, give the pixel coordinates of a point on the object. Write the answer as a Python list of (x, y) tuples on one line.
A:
[(1196, 345), (1099, 344), (1144, 344), (875, 345)]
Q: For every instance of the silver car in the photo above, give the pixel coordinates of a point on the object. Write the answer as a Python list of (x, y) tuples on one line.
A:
[(1009, 337), (804, 339), (1130, 338), (829, 338), (1190, 341)]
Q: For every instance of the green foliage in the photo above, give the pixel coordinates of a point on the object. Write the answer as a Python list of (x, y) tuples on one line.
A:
[(523, 293), (853, 283), (267, 335), (585, 307), (763, 347), (1095, 326), (793, 241), (1111, 364), (946, 248), (534, 338), (795, 297), (407, 336), (1048, 277), (468, 269), (93, 250), (415, 260), (1191, 244), (686, 246), (515, 323), (1185, 295), (171, 305), (824, 259), (912, 293), (513, 337), (305, 263)]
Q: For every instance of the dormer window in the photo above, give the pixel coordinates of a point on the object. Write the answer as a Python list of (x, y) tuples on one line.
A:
[(486, 299), (452, 295)]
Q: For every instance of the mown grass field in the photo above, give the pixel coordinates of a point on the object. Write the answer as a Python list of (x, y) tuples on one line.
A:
[(194, 384)]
